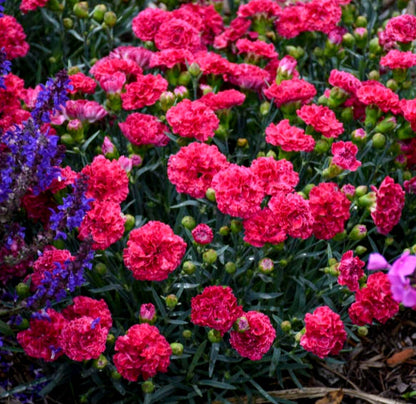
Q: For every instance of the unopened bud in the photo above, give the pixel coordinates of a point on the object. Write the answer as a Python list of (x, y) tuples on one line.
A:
[(110, 19), (115, 375), (236, 226), (242, 142), (361, 21), (100, 363), (374, 46), (347, 114), (265, 108), (188, 222), (98, 12), (348, 40), (148, 313), (359, 136), (148, 387), (224, 231), (379, 141), (68, 23), (189, 267), (360, 250), (210, 194), (367, 200), (194, 69), (230, 268), (23, 290), (209, 256), (177, 348), (286, 326), (362, 331), (214, 336), (358, 232), (187, 334), (241, 324), (81, 9), (266, 266), (171, 301), (100, 268)]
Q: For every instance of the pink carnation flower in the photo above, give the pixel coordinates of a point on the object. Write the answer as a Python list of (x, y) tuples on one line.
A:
[(143, 351), (153, 251), (345, 155), (325, 333), (256, 340), (202, 234), (350, 271), (193, 119), (216, 307)]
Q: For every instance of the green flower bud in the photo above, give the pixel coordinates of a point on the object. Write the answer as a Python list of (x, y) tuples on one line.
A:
[(389, 241), (242, 142), (230, 267), (214, 336), (148, 387), (405, 132), (225, 230), (100, 363), (299, 335), (286, 326), (407, 84), (81, 9), (210, 194), (347, 114), (98, 12), (24, 324), (340, 236), (271, 153), (322, 146), (188, 222), (392, 85), (371, 116), (115, 375), (67, 139), (337, 97), (374, 46), (348, 40), (265, 108), (187, 334), (360, 250), (177, 348), (209, 256), (171, 301), (129, 223), (23, 290), (110, 19), (236, 226), (361, 21), (184, 78), (296, 52), (362, 331), (358, 232), (374, 75), (100, 268), (194, 69), (323, 100), (379, 141), (266, 266), (111, 338), (307, 189), (188, 267), (221, 132), (360, 191), (368, 200), (68, 23)]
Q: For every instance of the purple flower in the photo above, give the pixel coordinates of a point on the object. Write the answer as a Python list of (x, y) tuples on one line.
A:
[(377, 262), (402, 276)]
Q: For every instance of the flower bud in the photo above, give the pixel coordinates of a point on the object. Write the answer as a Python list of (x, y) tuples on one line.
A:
[(360, 250), (266, 266), (129, 223), (100, 363), (386, 125), (271, 153), (76, 130), (148, 313), (187, 334), (241, 324), (210, 194), (371, 116), (296, 52), (189, 267), (347, 114), (265, 108), (332, 171), (166, 100), (322, 146), (100, 268), (225, 230), (221, 132), (236, 226), (337, 96), (374, 75), (171, 301), (230, 267), (188, 222), (68, 23), (307, 189), (286, 326), (209, 256), (361, 21), (98, 12), (389, 241), (299, 335), (359, 136), (358, 232), (242, 142), (379, 141), (407, 84), (367, 201), (348, 40), (361, 190), (194, 69), (184, 78), (340, 236), (23, 289), (148, 387), (392, 85), (361, 36), (115, 375), (374, 46), (362, 331), (110, 19), (177, 348), (67, 139), (81, 9), (214, 336)]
